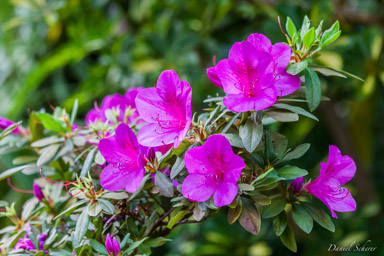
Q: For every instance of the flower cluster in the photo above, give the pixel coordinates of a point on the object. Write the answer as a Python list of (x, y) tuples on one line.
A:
[(143, 163)]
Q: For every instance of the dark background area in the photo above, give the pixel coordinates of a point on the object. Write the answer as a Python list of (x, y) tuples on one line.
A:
[(55, 51)]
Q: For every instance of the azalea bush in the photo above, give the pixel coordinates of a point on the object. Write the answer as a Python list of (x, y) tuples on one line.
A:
[(145, 162)]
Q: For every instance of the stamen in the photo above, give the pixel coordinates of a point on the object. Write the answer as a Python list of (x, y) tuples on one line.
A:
[(17, 189)]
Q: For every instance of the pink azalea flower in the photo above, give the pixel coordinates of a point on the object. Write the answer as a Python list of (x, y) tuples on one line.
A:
[(115, 101), (327, 187), (285, 83), (166, 109), (213, 170), (243, 70), (247, 78), (25, 243), (125, 169), (5, 123)]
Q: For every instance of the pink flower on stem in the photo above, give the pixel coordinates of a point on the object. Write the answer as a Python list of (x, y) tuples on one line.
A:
[(327, 187), (166, 109), (125, 169), (240, 73), (117, 102), (112, 246), (213, 171), (247, 78)]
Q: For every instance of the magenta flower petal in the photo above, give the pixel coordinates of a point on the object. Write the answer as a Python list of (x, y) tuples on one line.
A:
[(152, 134), (241, 103), (166, 109), (116, 246), (260, 42), (38, 192), (198, 187), (225, 193), (212, 75), (125, 169), (344, 164), (327, 187), (247, 78), (213, 170), (286, 83), (5, 123), (108, 244), (281, 54), (297, 185)]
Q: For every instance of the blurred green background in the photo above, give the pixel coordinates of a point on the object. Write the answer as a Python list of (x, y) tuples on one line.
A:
[(55, 51)]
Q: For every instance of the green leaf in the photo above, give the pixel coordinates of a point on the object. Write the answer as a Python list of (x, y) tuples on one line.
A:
[(320, 216), (47, 154), (280, 223), (330, 35), (234, 213), (312, 89), (94, 209), (81, 227), (211, 116), (107, 206), (164, 184), (250, 218), (282, 116), (46, 141), (9, 130), (251, 133), (100, 248), (298, 152), (296, 68), (342, 72), (177, 167), (305, 26), (74, 111), (158, 241), (269, 179), (70, 209), (291, 28), (179, 216), (115, 195), (234, 140), (262, 176), (50, 123), (319, 29), (135, 245), (291, 172), (35, 127), (309, 38), (12, 171), (288, 239), (277, 206), (328, 72), (302, 218), (246, 187), (269, 151), (88, 162), (295, 109), (229, 124)]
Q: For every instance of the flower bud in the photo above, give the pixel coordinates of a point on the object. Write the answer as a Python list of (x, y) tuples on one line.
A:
[(112, 246), (297, 185), (38, 192)]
